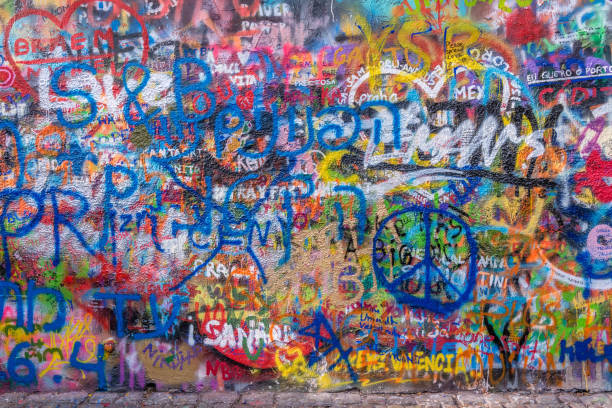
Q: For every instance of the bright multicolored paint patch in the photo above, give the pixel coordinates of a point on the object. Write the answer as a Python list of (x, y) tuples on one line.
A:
[(315, 194)]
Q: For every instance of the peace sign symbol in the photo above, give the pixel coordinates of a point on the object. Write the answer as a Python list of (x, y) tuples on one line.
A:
[(426, 258)]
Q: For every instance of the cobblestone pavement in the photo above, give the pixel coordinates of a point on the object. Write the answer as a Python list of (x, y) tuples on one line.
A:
[(303, 400)]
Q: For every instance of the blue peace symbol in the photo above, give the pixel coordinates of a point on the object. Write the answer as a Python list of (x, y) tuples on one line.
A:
[(426, 277)]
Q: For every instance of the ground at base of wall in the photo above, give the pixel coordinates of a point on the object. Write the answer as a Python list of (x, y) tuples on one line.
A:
[(304, 400)]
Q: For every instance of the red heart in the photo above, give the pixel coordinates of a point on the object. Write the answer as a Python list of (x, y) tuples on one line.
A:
[(245, 101), (20, 82)]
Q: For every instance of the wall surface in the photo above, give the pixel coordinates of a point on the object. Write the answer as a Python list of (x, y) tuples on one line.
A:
[(305, 194)]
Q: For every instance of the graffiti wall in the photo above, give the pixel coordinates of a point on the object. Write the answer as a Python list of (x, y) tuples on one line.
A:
[(314, 194)]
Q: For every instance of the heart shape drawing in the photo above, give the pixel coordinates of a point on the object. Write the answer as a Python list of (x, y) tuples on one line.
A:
[(245, 100), (22, 46)]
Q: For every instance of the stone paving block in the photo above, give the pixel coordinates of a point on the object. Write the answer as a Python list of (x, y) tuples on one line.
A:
[(401, 400), (375, 399), (131, 396), (519, 400), (60, 400), (319, 399), (183, 400), (404, 406), (13, 399), (494, 399), (256, 399), (131, 399), (566, 398), (40, 397), (73, 396), (218, 399), (158, 399), (569, 398), (599, 400), (103, 398), (37, 400), (437, 400), (546, 399), (290, 400), (347, 398), (574, 405), (471, 399)]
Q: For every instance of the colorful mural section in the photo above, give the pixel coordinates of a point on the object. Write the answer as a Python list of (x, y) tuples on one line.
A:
[(305, 194)]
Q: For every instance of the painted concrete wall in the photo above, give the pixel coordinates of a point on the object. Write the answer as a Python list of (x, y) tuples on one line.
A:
[(305, 194)]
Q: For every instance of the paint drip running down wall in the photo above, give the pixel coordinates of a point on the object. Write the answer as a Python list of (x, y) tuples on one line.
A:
[(220, 194)]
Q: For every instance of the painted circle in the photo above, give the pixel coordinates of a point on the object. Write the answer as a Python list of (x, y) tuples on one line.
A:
[(599, 242), (7, 77), (434, 264)]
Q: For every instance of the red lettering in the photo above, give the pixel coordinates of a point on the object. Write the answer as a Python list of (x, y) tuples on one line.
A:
[(98, 63), (606, 89), (543, 102), (36, 46), (58, 41), (76, 41), (108, 37), (21, 46), (575, 91), (196, 106), (226, 371), (30, 71), (210, 369)]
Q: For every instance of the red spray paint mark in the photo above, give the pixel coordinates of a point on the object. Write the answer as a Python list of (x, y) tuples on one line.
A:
[(595, 177), (64, 23), (522, 27)]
